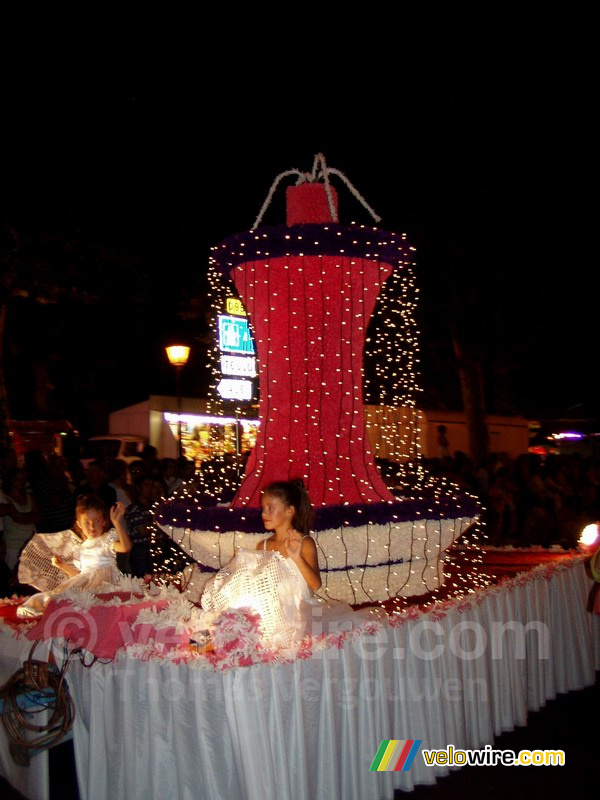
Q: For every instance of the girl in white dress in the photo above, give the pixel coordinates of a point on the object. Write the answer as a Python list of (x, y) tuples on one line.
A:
[(279, 579), (287, 511), (96, 561)]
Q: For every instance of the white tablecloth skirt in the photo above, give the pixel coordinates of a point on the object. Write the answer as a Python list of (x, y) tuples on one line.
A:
[(311, 729)]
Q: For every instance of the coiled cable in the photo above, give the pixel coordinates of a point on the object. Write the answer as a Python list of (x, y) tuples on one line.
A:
[(35, 688)]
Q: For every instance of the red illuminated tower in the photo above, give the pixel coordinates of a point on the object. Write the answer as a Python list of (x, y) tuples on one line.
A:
[(310, 288)]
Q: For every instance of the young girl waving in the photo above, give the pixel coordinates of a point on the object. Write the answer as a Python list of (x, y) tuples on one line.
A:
[(95, 562)]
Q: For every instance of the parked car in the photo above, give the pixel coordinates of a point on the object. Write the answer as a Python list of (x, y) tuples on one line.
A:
[(124, 446)]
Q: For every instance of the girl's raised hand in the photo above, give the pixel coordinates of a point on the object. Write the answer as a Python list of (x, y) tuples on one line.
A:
[(293, 543), (117, 513)]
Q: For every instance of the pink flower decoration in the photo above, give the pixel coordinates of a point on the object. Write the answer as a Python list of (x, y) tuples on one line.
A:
[(237, 640), (337, 639)]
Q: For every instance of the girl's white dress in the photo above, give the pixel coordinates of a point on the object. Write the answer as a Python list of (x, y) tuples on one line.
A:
[(97, 561), (272, 585)]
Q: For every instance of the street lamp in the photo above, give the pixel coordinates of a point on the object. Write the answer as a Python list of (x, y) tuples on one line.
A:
[(178, 355)]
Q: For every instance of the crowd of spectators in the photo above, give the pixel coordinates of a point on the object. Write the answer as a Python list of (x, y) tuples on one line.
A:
[(529, 499), (39, 496)]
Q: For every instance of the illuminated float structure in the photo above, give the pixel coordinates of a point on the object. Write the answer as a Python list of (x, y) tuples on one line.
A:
[(310, 288)]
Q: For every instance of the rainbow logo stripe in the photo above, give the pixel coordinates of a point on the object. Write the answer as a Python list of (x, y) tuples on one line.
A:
[(395, 755)]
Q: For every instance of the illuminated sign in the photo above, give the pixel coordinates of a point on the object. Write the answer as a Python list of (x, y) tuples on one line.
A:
[(232, 389), (234, 306), (191, 420), (238, 365), (234, 335)]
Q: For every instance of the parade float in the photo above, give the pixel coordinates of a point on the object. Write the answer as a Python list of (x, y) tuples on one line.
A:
[(330, 307), (457, 657)]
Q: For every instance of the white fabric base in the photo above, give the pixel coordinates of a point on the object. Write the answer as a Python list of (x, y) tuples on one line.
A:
[(311, 728), (369, 563)]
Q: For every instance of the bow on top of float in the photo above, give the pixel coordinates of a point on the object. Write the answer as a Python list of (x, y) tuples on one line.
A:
[(320, 172)]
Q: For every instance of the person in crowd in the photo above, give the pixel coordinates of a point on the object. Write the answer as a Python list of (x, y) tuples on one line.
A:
[(500, 509), (19, 512), (140, 523), (159, 490), (169, 472), (98, 483), (97, 557), (589, 487), (153, 552), (35, 464), (76, 474), (555, 484), (187, 470), (219, 477), (443, 443), (535, 521), (6, 584), (151, 461), (136, 468), (118, 473), (8, 461), (53, 494)]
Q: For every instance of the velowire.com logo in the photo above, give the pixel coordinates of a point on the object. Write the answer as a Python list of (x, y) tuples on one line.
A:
[(395, 755)]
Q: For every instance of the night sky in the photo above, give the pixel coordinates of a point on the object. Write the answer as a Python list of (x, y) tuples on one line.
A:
[(122, 182)]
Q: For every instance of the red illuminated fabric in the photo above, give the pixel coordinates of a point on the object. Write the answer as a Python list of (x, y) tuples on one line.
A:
[(101, 629), (308, 202), (310, 315)]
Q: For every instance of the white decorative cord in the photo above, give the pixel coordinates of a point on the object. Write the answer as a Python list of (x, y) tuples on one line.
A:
[(320, 159), (356, 193), (272, 191), (313, 177)]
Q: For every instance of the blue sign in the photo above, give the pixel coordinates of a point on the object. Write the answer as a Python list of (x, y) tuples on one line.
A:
[(234, 335)]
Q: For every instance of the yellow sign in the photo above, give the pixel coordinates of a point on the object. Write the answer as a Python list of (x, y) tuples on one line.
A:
[(234, 306)]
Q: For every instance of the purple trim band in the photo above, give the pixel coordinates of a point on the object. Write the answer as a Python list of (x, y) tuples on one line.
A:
[(206, 568), (311, 239), (188, 514)]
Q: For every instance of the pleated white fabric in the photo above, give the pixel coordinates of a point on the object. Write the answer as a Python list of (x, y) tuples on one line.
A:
[(311, 728)]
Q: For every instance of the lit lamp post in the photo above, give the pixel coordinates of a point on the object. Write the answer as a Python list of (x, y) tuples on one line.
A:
[(178, 355)]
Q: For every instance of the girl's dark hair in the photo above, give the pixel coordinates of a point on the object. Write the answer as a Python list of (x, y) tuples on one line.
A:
[(293, 493), (91, 502)]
